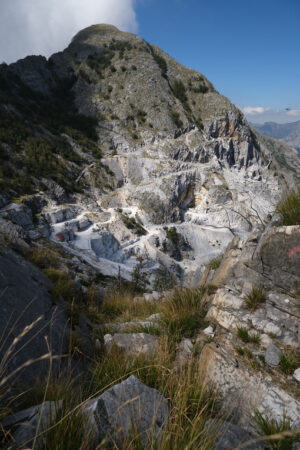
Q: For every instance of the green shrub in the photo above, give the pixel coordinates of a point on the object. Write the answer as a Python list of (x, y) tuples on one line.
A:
[(270, 426), (289, 209), (211, 289), (172, 235), (62, 284), (176, 119), (239, 350), (200, 89), (243, 334), (289, 362), (199, 123), (255, 338), (179, 91), (132, 224), (161, 62), (255, 298), (214, 264), (183, 313)]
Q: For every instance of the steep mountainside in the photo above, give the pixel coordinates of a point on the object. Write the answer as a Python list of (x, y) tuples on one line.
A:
[(120, 154), (288, 132)]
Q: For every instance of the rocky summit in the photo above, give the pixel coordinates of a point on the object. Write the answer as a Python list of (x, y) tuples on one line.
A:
[(122, 175)]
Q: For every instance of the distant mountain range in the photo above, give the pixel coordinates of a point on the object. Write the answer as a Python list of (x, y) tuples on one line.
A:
[(288, 132)]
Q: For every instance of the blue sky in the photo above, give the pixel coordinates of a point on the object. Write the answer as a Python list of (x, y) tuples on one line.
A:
[(248, 49)]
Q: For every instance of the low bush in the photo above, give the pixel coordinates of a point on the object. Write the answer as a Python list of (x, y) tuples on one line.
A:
[(289, 209), (289, 362), (270, 427), (132, 224), (243, 334), (161, 62), (183, 313), (179, 91), (172, 235), (214, 264), (176, 119), (62, 284), (255, 298), (119, 306)]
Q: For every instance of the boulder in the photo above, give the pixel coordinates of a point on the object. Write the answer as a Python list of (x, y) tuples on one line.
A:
[(30, 423), (25, 299), (272, 355), (133, 343), (230, 436), (128, 407)]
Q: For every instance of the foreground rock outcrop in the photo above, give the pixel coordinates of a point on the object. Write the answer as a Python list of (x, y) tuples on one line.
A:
[(248, 358), (30, 324), (121, 412)]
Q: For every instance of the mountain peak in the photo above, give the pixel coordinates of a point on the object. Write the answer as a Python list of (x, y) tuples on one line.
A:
[(99, 33)]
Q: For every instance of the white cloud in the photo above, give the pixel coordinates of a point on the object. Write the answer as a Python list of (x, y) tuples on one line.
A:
[(254, 110), (293, 112), (45, 26)]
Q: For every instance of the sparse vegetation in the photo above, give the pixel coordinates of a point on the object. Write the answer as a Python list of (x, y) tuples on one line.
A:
[(191, 402), (119, 306), (164, 280), (244, 335), (183, 313), (132, 224), (179, 91), (176, 119), (289, 209), (214, 264), (172, 235), (289, 362), (270, 426), (161, 62), (255, 298)]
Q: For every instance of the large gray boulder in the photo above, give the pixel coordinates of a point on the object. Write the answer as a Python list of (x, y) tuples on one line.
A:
[(128, 407), (25, 299), (273, 355)]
